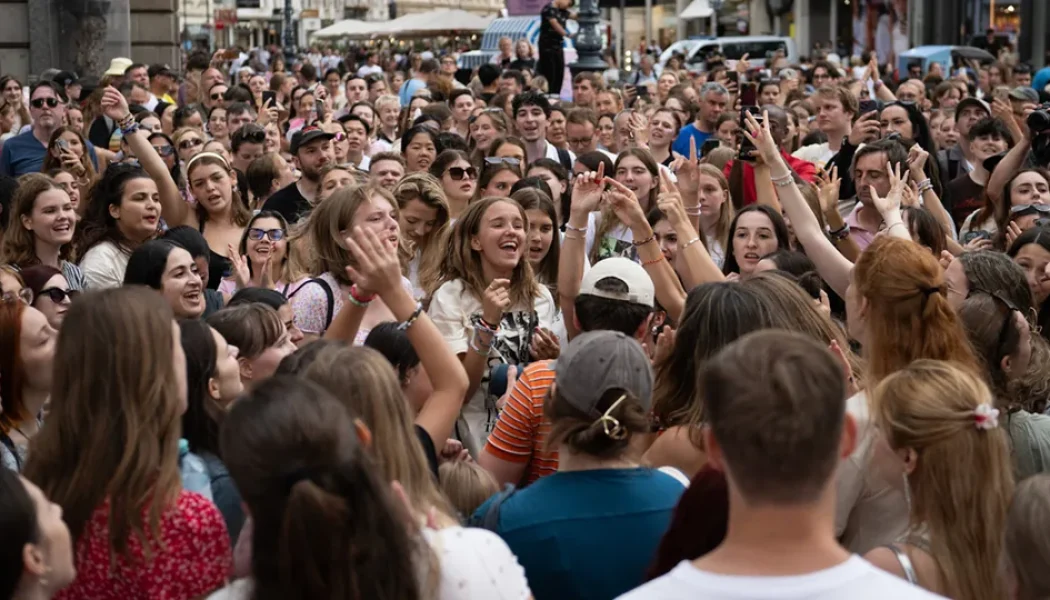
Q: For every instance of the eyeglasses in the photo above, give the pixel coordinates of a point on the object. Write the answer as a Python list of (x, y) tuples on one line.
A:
[(190, 143), (275, 235), (339, 137), (459, 173), (40, 102), (495, 160), (59, 295), (216, 96), (579, 141), (164, 150), (25, 295)]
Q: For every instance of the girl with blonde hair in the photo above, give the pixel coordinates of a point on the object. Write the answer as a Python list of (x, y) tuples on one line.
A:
[(424, 220), (941, 426)]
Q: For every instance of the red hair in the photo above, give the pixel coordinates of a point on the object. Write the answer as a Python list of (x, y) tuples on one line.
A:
[(909, 317), (12, 371)]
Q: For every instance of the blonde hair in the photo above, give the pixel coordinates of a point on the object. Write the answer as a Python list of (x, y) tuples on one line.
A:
[(725, 215), (467, 485), (365, 382), (329, 221), (427, 190), (1026, 548), (963, 478)]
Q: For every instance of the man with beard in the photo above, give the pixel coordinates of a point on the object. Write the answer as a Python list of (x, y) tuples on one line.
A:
[(25, 152), (311, 150)]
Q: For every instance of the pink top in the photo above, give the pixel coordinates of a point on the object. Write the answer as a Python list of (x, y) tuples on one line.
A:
[(191, 559)]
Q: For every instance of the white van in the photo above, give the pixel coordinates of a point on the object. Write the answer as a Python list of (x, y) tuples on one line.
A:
[(757, 47)]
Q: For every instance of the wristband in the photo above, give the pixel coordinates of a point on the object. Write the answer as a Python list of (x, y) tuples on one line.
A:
[(130, 129), (126, 121), (651, 238), (840, 233), (691, 242), (481, 349), (647, 263), (569, 236), (571, 228), (784, 181), (693, 212), (358, 299), (412, 318)]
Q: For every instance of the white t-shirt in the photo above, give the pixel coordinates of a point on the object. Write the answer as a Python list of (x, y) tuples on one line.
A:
[(855, 579), (104, 266), (818, 154), (454, 311)]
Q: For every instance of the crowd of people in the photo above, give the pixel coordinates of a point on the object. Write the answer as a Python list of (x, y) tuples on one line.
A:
[(375, 326)]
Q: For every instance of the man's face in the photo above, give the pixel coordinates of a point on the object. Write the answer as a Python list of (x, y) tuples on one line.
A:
[(870, 170), (448, 65), (531, 122), (216, 96), (509, 85), (915, 71), (506, 46), (583, 92), (581, 138), (910, 91), (138, 96), (607, 104), (1023, 79), (831, 118), (311, 157), (139, 75), (711, 107), (356, 90), (356, 137), (235, 121), (46, 108), (386, 173), (377, 89), (210, 77), (821, 77), (987, 145), (967, 118), (246, 153)]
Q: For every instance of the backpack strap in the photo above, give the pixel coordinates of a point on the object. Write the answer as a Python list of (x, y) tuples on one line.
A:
[(490, 520), (327, 291)]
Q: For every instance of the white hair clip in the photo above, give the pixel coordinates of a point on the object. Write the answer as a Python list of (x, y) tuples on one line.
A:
[(986, 417)]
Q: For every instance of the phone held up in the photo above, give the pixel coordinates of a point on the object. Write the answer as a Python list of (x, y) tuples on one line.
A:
[(748, 151), (867, 106)]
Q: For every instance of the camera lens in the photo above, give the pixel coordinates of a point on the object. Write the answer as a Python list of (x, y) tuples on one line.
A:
[(1039, 121)]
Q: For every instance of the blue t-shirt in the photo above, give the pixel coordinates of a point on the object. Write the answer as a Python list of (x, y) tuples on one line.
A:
[(1040, 79), (588, 535), (409, 89), (681, 143), (25, 154)]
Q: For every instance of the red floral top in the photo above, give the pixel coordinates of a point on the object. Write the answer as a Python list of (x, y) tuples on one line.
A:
[(194, 559)]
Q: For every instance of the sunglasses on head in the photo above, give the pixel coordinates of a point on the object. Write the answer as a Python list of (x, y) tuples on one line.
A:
[(191, 143), (40, 102), (510, 160), (59, 295), (275, 235), (459, 173), (254, 136)]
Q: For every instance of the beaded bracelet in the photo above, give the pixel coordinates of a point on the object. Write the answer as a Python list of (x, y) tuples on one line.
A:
[(492, 327), (411, 319), (126, 121), (651, 238), (646, 263), (130, 129), (473, 344), (783, 181), (568, 236)]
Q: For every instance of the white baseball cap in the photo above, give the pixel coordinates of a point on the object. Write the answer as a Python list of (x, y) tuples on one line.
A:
[(640, 288)]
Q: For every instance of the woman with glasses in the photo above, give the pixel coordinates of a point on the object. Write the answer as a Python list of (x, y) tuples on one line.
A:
[(510, 150), (51, 293), (165, 148), (261, 260), (27, 351), (41, 227), (12, 286), (459, 179)]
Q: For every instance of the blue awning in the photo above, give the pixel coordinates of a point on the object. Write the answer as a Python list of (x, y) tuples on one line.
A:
[(513, 27)]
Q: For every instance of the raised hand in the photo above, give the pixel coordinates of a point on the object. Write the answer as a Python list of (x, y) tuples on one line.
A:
[(1013, 231), (639, 129), (495, 301), (378, 268), (917, 157), (669, 200), (587, 190), (268, 113), (892, 201), (760, 135), (114, 104), (828, 189), (687, 169), (866, 128), (239, 264), (743, 65), (624, 203)]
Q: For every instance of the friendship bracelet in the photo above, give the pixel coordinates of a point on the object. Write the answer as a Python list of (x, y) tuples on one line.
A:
[(476, 347), (647, 263), (130, 129), (412, 319), (493, 327), (651, 238), (693, 212), (574, 237), (691, 242), (571, 228), (784, 181), (126, 121)]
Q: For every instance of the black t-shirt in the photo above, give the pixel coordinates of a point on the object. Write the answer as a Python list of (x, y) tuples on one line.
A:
[(428, 449), (963, 196), (521, 64), (289, 202), (549, 38)]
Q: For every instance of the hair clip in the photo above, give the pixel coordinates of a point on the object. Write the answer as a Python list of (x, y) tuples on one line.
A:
[(610, 425), (986, 417)]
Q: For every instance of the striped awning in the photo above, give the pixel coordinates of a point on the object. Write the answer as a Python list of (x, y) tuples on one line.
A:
[(513, 27)]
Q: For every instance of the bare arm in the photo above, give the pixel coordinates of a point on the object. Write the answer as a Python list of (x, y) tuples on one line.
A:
[(765, 191), (586, 194), (1007, 167), (694, 262)]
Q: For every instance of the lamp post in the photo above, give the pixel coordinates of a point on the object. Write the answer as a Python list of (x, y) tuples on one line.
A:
[(716, 5), (288, 35), (588, 40)]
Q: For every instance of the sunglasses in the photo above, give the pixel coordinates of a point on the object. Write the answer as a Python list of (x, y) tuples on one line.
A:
[(275, 235), (339, 137), (190, 143), (216, 96), (24, 295), (510, 160), (164, 150), (40, 102), (59, 295), (253, 135), (459, 173)]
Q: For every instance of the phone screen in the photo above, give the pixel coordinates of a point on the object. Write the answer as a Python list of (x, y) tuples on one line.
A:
[(867, 106), (746, 147), (269, 96), (748, 94), (733, 76)]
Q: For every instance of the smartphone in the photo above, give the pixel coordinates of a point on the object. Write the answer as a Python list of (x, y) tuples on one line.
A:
[(269, 96), (748, 94), (747, 149), (709, 145), (62, 144), (867, 106), (733, 77), (642, 91)]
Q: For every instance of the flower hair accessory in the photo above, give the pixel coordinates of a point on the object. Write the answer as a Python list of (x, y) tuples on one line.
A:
[(986, 417)]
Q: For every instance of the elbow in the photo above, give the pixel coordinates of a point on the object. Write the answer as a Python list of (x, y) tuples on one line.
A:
[(458, 382)]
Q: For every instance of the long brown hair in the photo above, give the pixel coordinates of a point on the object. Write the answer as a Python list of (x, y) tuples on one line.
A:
[(50, 162), (536, 199), (962, 482), (609, 220), (19, 245), (239, 212), (725, 214), (12, 371), (909, 316), (129, 453), (460, 261)]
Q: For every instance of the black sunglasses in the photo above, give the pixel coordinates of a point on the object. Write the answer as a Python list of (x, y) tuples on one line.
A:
[(164, 150), (253, 135), (216, 96), (59, 295), (193, 143), (459, 173), (275, 235), (40, 102)]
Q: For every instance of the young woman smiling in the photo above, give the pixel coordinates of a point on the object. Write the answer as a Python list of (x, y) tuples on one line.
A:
[(488, 304), (424, 219), (486, 125), (67, 150), (459, 179), (497, 178), (419, 148), (171, 271), (261, 259), (757, 230), (40, 228), (663, 130), (606, 234)]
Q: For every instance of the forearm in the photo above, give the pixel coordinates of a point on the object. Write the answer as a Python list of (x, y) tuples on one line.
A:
[(173, 207), (570, 269), (846, 246), (694, 262), (1007, 167), (346, 323), (765, 191), (669, 292)]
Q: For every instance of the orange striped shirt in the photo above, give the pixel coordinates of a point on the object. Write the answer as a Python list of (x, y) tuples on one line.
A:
[(521, 431)]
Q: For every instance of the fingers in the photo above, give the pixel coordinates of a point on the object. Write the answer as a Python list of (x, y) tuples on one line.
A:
[(692, 148), (499, 284), (623, 189)]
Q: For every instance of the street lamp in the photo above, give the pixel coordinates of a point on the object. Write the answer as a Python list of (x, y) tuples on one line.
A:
[(588, 40), (716, 5), (288, 34)]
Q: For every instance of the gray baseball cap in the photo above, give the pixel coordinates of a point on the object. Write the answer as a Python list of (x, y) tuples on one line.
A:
[(1025, 94), (598, 361)]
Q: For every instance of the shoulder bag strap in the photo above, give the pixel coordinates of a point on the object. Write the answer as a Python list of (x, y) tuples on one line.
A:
[(905, 561)]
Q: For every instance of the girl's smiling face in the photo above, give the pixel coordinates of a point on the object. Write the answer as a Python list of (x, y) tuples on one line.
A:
[(501, 237), (633, 173), (263, 249), (540, 236), (1033, 258)]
